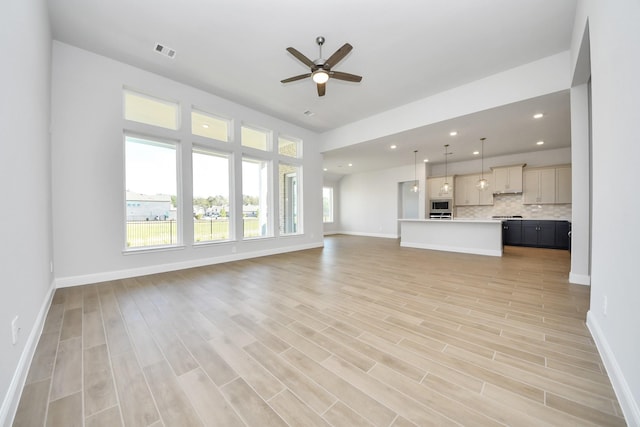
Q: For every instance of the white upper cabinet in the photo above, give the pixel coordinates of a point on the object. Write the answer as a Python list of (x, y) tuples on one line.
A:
[(435, 187), (547, 185), (467, 194), (507, 179), (563, 184)]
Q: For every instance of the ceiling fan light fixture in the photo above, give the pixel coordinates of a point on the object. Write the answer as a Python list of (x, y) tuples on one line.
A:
[(320, 76)]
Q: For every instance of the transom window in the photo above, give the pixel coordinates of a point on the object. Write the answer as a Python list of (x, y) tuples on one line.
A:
[(150, 110), (209, 126), (289, 147), (255, 138)]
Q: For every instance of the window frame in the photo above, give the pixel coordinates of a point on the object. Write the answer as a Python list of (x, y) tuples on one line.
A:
[(332, 204), (178, 108), (268, 138), (221, 118), (282, 202), (214, 151), (268, 202), (298, 144), (177, 147)]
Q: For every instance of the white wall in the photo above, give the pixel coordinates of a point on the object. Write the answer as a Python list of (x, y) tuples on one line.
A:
[(25, 43), (615, 70), (88, 176), (369, 201)]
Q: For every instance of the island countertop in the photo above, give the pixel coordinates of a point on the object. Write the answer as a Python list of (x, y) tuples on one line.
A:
[(474, 236), (473, 220)]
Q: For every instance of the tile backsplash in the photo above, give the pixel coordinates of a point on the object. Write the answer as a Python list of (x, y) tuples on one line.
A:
[(511, 204)]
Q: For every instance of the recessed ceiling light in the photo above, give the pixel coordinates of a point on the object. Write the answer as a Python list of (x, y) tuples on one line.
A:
[(453, 133), (206, 126), (540, 143), (426, 160), (325, 169), (350, 164), (538, 116), (475, 153), (393, 147)]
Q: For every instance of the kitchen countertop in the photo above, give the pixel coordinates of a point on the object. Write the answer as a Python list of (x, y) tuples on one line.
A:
[(454, 220), (532, 219)]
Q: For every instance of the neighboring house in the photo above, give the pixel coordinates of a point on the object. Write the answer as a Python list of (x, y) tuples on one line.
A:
[(249, 211), (144, 207)]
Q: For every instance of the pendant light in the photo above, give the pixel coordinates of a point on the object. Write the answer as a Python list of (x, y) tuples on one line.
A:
[(415, 171), (482, 184), (446, 187)]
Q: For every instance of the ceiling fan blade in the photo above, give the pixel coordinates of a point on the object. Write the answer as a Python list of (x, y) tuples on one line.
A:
[(338, 55), (345, 76), (294, 78), (322, 87), (306, 61)]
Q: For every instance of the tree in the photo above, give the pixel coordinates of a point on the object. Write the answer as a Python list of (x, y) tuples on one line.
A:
[(250, 200)]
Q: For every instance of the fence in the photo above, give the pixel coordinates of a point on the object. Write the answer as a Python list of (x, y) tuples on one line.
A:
[(162, 233)]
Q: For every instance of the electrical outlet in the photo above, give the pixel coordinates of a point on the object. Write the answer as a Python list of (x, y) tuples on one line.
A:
[(51, 266), (233, 249), (604, 305), (14, 330)]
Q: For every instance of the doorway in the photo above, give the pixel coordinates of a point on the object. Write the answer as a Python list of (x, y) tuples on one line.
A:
[(408, 202)]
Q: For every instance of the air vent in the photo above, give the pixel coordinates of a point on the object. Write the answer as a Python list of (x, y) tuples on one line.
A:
[(165, 50)]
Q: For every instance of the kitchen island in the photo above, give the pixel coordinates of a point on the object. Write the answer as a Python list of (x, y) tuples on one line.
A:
[(472, 236)]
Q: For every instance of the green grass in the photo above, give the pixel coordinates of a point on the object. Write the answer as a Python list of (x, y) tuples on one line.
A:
[(162, 233)]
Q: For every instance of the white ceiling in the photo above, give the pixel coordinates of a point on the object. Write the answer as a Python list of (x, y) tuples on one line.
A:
[(405, 50), (509, 129)]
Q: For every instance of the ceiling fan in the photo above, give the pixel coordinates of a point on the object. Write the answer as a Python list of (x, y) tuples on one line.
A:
[(321, 68)]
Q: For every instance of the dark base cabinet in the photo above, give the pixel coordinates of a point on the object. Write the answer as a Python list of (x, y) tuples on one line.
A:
[(539, 234), (512, 232)]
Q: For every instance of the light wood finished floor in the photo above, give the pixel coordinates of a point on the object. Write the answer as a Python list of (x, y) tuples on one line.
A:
[(362, 332)]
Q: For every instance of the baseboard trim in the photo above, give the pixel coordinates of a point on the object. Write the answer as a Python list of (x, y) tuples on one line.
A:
[(580, 279), (358, 233), (64, 282), (629, 406), (12, 398)]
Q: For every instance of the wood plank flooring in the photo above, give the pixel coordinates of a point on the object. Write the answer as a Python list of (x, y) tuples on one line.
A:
[(359, 333)]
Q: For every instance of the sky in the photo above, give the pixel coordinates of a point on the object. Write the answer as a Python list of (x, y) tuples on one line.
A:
[(151, 169)]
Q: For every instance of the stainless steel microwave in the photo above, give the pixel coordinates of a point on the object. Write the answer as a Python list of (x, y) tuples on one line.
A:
[(441, 206)]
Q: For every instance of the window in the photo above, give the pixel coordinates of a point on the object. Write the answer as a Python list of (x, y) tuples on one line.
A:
[(151, 193), (289, 147), (255, 138), (211, 208), (327, 204), (209, 126), (152, 111), (289, 196), (255, 198)]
